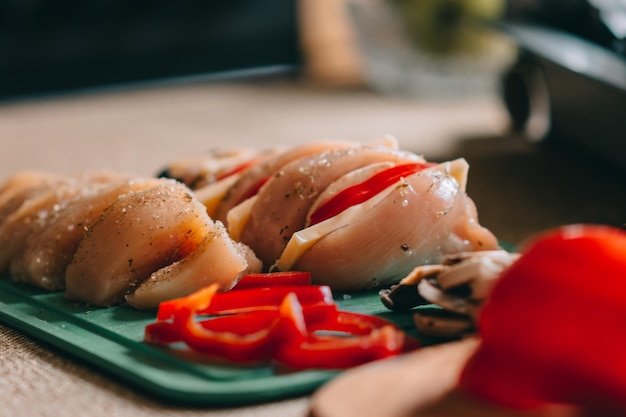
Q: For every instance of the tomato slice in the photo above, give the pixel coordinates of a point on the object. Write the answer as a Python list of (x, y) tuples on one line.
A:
[(359, 193)]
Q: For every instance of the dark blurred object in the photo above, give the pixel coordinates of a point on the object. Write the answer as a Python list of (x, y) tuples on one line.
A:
[(69, 44), (569, 89), (602, 22)]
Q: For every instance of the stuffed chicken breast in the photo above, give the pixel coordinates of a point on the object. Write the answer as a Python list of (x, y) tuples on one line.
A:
[(417, 220), (281, 206)]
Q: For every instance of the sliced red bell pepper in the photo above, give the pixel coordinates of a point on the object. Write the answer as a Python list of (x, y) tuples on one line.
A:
[(273, 279), (238, 169), (365, 190), (209, 302), (241, 323), (339, 351), (298, 326), (254, 190)]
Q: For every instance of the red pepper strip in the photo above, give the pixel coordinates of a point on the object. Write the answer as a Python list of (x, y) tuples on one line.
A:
[(245, 300), (241, 324), (266, 298), (365, 190), (255, 346), (254, 190), (199, 299), (273, 279), (304, 350), (237, 169), (342, 352), (283, 335)]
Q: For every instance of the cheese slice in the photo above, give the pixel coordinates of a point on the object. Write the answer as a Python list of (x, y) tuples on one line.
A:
[(238, 217), (211, 195), (458, 169), (304, 239)]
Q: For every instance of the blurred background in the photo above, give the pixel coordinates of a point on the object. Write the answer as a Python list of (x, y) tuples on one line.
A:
[(536, 87), (532, 53)]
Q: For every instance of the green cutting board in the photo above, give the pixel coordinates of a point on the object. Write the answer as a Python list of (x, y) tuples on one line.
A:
[(111, 339)]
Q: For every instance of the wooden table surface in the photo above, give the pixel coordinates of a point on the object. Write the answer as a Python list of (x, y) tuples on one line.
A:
[(519, 187)]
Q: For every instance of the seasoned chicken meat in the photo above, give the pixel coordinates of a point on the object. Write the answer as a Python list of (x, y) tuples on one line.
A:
[(416, 221), (48, 251)]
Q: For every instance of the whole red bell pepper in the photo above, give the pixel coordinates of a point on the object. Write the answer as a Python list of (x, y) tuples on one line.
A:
[(554, 327)]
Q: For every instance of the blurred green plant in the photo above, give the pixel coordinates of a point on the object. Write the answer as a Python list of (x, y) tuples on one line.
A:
[(450, 26)]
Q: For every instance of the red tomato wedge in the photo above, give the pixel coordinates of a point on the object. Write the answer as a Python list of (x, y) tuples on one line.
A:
[(365, 190)]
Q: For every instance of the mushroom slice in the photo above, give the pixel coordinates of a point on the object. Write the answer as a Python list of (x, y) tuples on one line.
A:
[(431, 292), (468, 267), (48, 251), (218, 259), (139, 233), (440, 323)]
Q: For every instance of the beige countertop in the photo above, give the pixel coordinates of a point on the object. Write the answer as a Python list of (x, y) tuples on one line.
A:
[(519, 188)]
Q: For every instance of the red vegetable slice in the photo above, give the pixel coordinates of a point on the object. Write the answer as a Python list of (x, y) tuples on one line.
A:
[(208, 302), (298, 326), (273, 279), (552, 330), (365, 190), (238, 169)]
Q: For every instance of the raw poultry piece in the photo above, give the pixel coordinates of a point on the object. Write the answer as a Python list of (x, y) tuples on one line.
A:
[(41, 201), (417, 219), (252, 179), (281, 206), (48, 251), (200, 170), (217, 260), (137, 235)]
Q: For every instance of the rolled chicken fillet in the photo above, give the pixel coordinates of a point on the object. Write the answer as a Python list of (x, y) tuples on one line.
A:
[(416, 221)]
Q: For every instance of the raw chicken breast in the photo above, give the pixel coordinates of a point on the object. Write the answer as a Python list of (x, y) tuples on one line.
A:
[(218, 260), (40, 208), (48, 251), (136, 235), (199, 171), (22, 186), (250, 181), (416, 221), (282, 205)]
